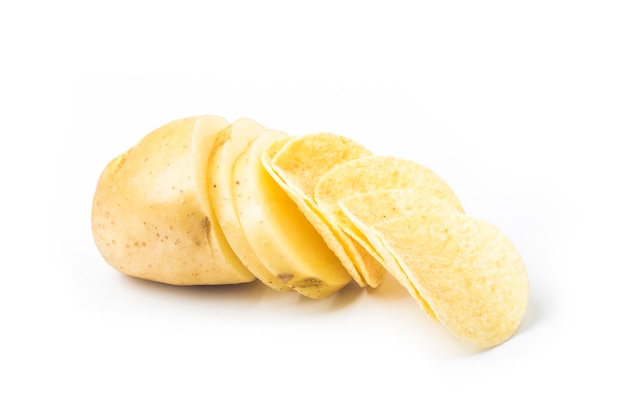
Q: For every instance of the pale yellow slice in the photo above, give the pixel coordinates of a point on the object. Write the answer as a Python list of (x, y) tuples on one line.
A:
[(231, 142), (297, 166), (279, 233), (204, 141)]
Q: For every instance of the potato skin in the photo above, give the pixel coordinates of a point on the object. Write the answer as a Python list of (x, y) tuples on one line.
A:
[(146, 217)]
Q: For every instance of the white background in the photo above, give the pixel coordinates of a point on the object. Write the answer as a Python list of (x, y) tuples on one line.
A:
[(519, 106)]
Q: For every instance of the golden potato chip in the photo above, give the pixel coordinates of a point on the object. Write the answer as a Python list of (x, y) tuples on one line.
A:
[(377, 172), (466, 270), (304, 159), (371, 173), (360, 210), (296, 167), (375, 206)]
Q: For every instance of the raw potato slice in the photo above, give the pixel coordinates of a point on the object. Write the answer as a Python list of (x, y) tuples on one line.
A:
[(371, 173), (467, 271), (281, 236), (202, 142), (230, 143), (204, 138), (298, 165), (147, 219)]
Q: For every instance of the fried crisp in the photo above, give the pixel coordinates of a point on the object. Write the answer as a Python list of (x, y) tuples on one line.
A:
[(372, 173), (467, 271)]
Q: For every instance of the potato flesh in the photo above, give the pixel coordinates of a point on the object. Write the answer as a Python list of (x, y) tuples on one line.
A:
[(231, 142), (204, 139)]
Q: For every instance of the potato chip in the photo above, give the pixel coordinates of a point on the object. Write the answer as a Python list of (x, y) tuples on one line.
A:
[(360, 210), (377, 172), (466, 270), (298, 165), (304, 159), (375, 206), (371, 173)]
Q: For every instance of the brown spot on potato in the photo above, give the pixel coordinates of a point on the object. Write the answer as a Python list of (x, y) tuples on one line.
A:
[(284, 277), (206, 224), (309, 282)]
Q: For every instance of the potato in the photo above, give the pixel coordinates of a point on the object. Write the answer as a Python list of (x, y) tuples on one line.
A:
[(202, 201), (147, 216)]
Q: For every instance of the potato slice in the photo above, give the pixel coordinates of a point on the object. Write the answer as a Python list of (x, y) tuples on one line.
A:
[(297, 166), (231, 142), (281, 236), (204, 141), (147, 215), (468, 273), (367, 174)]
